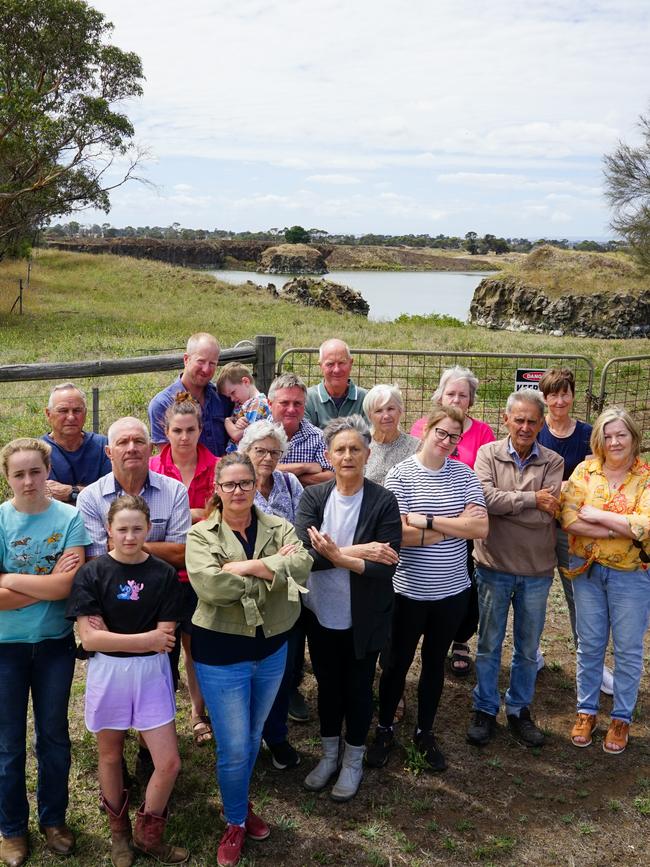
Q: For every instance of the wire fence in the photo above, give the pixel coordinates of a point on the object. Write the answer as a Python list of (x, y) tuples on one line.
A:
[(626, 381), (418, 375)]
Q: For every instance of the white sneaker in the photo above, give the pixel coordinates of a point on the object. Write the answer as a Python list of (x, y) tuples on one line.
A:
[(607, 686), (540, 659)]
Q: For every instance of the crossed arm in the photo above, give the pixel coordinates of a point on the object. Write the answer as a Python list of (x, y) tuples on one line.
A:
[(95, 636), (20, 589)]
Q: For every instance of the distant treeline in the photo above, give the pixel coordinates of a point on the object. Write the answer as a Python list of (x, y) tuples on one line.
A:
[(471, 243)]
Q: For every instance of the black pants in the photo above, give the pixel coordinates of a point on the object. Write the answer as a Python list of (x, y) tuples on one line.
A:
[(469, 623), (275, 728), (437, 621), (344, 682)]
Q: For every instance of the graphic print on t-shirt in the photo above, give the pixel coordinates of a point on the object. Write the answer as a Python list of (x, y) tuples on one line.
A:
[(130, 591)]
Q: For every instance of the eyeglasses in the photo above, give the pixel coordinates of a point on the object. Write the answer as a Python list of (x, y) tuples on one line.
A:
[(442, 435), (260, 452), (244, 485)]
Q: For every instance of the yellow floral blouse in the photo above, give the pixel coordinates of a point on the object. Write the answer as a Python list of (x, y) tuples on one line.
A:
[(588, 486)]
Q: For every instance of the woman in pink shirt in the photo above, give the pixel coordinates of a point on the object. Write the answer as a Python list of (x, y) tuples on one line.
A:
[(184, 458), (458, 387)]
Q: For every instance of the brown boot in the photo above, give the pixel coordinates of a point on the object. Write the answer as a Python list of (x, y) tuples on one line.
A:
[(148, 838), (122, 854)]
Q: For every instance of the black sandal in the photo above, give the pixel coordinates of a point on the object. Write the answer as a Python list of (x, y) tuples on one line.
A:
[(460, 661)]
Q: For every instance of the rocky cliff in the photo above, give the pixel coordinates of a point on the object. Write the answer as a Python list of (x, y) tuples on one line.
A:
[(292, 259), (324, 294), (509, 303)]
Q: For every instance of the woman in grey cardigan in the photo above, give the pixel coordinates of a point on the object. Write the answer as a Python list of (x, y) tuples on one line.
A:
[(351, 527)]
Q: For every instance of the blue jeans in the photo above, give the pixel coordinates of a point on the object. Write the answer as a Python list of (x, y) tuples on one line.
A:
[(528, 595), (239, 698), (46, 669), (610, 599)]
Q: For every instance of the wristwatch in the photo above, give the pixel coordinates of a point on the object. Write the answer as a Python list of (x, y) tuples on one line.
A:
[(429, 522), (74, 493)]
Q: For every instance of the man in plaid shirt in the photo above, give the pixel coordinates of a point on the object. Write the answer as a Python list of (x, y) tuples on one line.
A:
[(305, 457)]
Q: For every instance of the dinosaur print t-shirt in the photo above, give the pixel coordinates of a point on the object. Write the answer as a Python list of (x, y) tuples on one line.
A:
[(31, 545), (131, 598)]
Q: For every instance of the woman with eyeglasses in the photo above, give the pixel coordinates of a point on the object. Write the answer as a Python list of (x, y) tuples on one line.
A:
[(441, 505), (277, 493), (247, 569)]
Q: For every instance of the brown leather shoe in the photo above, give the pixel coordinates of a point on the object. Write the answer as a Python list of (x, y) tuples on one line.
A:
[(14, 850), (58, 839)]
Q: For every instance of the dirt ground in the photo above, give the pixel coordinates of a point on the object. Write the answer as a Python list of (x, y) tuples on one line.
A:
[(500, 805)]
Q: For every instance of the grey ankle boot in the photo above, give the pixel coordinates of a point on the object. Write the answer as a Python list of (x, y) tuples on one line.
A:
[(349, 779), (326, 768)]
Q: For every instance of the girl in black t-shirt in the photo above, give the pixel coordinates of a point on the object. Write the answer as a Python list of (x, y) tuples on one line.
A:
[(126, 605)]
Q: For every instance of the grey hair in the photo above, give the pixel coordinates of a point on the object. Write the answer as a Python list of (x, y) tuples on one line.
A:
[(453, 374), (195, 340), (286, 380), (380, 395), (526, 395), (128, 419), (354, 423), (66, 386), (321, 348), (260, 430)]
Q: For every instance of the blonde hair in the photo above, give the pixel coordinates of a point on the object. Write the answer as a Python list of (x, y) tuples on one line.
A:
[(439, 412), (614, 413), (24, 444)]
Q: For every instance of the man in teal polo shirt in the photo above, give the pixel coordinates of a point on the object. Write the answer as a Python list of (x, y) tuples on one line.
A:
[(336, 395)]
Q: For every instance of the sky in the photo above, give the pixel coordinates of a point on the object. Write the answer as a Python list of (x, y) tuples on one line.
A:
[(425, 116)]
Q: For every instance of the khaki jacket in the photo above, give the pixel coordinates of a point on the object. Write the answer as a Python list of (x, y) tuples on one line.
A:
[(237, 605), (521, 540)]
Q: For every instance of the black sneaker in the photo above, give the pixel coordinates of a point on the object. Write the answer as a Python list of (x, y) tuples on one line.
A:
[(283, 755), (382, 743), (524, 729), (298, 710), (482, 729), (426, 745)]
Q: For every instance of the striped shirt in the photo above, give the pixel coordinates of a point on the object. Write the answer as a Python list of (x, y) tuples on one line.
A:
[(433, 571), (167, 500)]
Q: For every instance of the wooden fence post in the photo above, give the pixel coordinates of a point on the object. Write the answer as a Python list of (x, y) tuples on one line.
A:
[(264, 361)]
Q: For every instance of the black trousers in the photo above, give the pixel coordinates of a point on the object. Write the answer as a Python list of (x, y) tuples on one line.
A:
[(344, 682), (469, 623), (437, 621)]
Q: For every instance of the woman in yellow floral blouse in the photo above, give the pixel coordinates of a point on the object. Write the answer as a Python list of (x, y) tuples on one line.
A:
[(606, 511)]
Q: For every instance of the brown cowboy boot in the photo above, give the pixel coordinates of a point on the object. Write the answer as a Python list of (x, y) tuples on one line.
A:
[(122, 854), (148, 838)]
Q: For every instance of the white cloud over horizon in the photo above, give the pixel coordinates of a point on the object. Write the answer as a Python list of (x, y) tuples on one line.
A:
[(462, 113)]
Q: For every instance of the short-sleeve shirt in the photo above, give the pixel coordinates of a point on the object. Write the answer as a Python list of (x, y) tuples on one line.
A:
[(433, 571), (306, 446), (167, 500), (284, 497), (84, 465), (130, 597), (321, 407), (255, 409), (574, 449), (31, 544), (478, 435), (215, 410)]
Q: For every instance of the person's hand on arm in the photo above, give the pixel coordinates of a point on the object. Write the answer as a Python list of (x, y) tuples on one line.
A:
[(50, 586), (59, 491), (546, 501), (376, 552), (324, 545), (159, 640)]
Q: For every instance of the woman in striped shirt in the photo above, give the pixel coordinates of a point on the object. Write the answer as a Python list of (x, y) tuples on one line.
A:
[(441, 503)]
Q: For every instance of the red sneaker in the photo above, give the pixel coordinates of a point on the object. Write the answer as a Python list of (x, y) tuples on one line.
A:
[(232, 842), (256, 828)]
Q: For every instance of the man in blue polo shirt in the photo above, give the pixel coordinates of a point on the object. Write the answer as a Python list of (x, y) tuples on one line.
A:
[(337, 395), (78, 457), (200, 363)]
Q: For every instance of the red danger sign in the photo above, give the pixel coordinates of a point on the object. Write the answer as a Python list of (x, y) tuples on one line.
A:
[(528, 378)]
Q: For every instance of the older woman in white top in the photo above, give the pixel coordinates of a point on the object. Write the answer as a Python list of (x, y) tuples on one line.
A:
[(384, 408)]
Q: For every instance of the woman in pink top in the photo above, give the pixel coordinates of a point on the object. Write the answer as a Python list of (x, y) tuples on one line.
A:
[(185, 459), (458, 387)]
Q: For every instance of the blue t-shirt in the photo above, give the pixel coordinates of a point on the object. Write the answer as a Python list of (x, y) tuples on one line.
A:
[(215, 411), (574, 449), (32, 544), (83, 466)]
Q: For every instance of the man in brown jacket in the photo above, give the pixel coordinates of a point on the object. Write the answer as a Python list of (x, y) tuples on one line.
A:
[(514, 565)]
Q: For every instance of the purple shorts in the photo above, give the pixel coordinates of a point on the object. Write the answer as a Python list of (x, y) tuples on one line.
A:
[(129, 692)]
